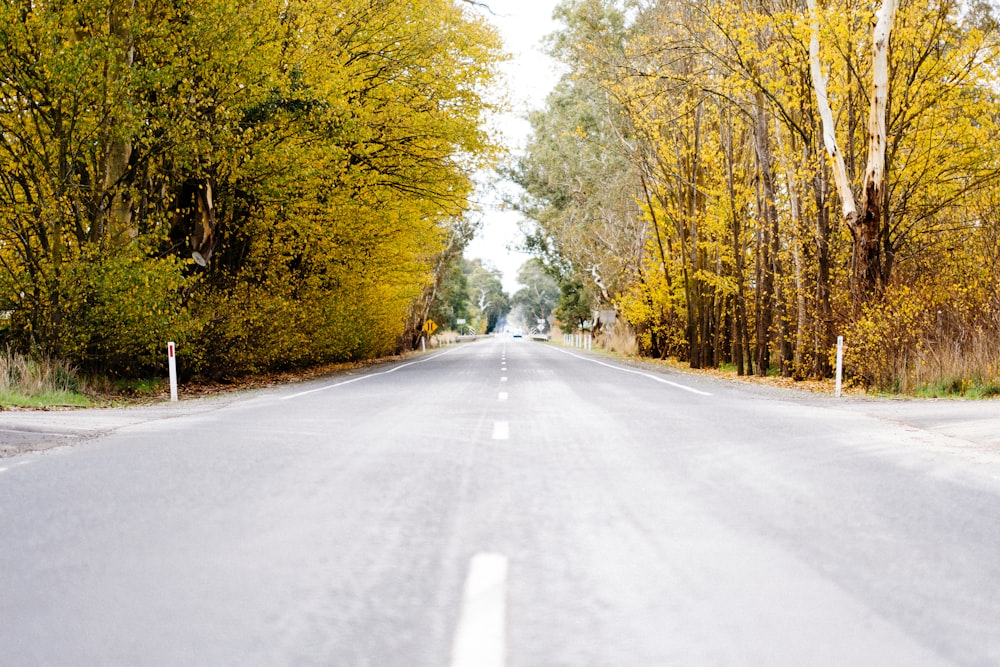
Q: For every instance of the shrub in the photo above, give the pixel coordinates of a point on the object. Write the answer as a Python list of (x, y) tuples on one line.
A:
[(119, 312), (939, 335)]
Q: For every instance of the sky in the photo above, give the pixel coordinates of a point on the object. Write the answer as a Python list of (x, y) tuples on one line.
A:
[(530, 75)]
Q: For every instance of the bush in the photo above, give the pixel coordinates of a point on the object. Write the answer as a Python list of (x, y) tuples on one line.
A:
[(939, 336), (118, 313), (280, 325)]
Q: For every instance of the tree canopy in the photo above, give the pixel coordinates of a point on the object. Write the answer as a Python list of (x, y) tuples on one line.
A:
[(687, 170), (270, 183)]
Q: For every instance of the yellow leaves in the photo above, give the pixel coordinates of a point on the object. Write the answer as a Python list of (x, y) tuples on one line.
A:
[(929, 328), (393, 111), (337, 137)]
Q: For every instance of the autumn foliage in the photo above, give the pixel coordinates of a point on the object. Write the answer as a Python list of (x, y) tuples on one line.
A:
[(270, 183), (681, 169)]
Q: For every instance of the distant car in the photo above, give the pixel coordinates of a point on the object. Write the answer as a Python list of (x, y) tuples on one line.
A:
[(518, 334)]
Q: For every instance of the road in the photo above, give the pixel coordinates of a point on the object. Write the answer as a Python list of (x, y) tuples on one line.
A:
[(506, 503)]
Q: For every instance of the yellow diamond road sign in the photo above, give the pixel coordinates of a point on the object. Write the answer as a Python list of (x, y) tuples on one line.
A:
[(430, 327)]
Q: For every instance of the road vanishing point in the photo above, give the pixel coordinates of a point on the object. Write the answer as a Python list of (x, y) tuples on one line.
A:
[(504, 503)]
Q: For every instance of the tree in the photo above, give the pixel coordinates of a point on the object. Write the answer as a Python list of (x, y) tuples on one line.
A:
[(452, 301), (295, 175), (486, 288), (581, 191), (534, 302), (865, 225), (574, 307), (735, 161)]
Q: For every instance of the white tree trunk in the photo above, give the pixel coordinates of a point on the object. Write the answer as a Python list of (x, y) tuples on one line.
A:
[(849, 209), (869, 274), (875, 170), (866, 226)]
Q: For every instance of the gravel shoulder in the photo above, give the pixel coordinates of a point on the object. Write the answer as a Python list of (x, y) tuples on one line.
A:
[(23, 431)]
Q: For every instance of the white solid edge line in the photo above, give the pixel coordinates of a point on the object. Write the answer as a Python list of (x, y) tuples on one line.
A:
[(480, 640), (629, 370), (366, 376)]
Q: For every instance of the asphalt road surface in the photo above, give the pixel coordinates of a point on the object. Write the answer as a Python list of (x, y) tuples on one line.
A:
[(505, 503)]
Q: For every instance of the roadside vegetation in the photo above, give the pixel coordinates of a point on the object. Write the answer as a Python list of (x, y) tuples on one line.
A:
[(469, 299), (271, 185), (287, 184), (742, 183), (30, 383)]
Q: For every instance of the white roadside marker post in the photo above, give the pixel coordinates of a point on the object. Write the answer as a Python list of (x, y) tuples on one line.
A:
[(172, 365), (840, 364)]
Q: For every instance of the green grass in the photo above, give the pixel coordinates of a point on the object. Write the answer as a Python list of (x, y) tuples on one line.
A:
[(140, 388), (959, 388), (38, 383), (46, 399)]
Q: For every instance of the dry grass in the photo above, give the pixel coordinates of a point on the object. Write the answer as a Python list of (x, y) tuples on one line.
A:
[(36, 383), (970, 366), (620, 338), (21, 373)]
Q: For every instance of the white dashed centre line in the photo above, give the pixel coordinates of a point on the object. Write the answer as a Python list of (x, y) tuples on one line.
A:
[(503, 379), (502, 396), (501, 430), (480, 638)]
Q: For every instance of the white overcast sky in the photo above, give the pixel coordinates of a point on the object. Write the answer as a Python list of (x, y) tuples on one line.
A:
[(530, 76)]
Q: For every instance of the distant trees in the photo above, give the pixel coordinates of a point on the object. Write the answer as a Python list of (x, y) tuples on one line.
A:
[(697, 169), (532, 305), (452, 307), (270, 184), (487, 291), (471, 291)]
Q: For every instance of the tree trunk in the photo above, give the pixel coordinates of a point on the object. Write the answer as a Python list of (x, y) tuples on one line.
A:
[(689, 245), (762, 296), (868, 274), (740, 333), (824, 338), (848, 206), (114, 215), (768, 262), (795, 189)]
